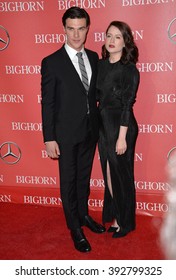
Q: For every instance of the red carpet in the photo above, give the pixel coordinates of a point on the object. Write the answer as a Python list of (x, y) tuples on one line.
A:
[(30, 232)]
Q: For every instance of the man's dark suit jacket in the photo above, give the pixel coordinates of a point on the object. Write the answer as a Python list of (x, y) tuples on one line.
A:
[(64, 100)]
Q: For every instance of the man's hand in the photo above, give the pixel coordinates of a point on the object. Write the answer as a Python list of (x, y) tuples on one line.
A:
[(52, 149)]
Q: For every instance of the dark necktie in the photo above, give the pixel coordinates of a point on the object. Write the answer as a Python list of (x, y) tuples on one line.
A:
[(83, 71)]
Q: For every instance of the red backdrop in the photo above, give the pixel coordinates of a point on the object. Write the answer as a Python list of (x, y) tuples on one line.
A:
[(30, 30)]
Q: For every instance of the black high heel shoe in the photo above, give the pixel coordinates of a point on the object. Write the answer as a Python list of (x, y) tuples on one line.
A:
[(113, 229), (120, 233)]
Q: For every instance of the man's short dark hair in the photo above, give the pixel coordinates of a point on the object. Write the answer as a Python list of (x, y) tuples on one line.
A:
[(76, 12)]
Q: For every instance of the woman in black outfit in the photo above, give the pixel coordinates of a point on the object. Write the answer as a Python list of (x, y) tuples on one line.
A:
[(117, 85)]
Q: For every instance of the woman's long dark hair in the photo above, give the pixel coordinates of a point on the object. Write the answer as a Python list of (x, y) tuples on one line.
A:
[(130, 52)]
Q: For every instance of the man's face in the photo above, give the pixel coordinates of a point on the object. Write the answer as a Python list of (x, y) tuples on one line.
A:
[(76, 31)]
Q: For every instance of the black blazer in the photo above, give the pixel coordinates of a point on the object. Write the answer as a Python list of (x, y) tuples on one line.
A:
[(64, 100)]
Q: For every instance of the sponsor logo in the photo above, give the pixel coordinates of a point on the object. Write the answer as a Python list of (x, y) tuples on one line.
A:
[(138, 157), (152, 207), (171, 31), (166, 98), (10, 152), (11, 98), (60, 38), (1, 178), (26, 126), (156, 128), (95, 203), (44, 154), (49, 38), (172, 154), (43, 200), (4, 38), (36, 180), (151, 186), (5, 198), (171, 171), (85, 4), (100, 36), (144, 2), (97, 183), (39, 98), (155, 67), (22, 6), (22, 69)]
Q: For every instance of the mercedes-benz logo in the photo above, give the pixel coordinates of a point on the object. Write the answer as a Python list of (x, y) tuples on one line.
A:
[(4, 38), (172, 31), (10, 153), (171, 154), (171, 167)]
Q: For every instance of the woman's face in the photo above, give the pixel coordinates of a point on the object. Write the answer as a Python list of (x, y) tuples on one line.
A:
[(114, 42)]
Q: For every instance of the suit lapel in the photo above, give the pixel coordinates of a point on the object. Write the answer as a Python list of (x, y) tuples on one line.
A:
[(71, 69), (90, 57)]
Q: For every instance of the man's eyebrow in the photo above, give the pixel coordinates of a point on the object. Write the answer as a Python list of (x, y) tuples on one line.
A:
[(80, 27)]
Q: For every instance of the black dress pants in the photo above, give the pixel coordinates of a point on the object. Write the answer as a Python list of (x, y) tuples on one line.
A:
[(75, 165)]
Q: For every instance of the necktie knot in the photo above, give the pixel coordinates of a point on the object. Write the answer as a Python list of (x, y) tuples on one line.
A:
[(79, 54)]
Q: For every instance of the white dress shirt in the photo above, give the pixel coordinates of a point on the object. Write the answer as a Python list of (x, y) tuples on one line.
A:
[(72, 54)]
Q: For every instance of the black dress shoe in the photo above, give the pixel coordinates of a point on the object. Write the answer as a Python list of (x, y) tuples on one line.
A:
[(93, 226), (80, 241)]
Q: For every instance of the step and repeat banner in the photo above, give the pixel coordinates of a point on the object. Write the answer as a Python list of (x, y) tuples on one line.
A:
[(31, 30)]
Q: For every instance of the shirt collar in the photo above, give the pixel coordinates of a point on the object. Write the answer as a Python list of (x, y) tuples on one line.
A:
[(72, 52)]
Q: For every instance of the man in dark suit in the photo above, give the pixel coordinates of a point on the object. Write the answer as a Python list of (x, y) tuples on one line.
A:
[(70, 122)]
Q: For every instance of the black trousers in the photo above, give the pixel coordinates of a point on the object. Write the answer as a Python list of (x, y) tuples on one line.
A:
[(75, 165)]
